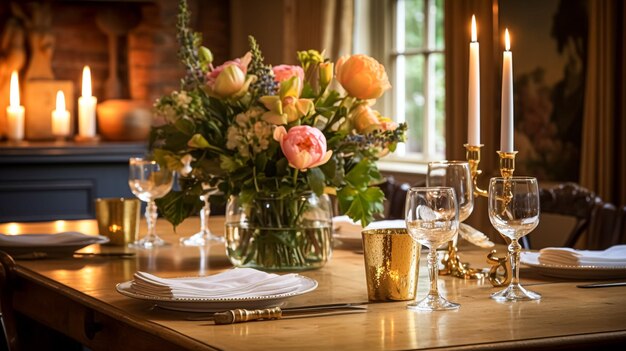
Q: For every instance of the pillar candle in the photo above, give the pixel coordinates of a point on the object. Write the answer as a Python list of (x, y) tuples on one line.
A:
[(506, 126), (60, 117), (473, 96), (15, 112), (87, 108)]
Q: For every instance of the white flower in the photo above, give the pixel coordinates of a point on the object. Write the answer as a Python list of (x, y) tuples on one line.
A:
[(182, 99), (186, 161)]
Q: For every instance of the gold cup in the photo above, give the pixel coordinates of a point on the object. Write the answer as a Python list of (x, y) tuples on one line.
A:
[(391, 264), (118, 219)]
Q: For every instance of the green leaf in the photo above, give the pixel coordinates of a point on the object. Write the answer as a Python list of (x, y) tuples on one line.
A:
[(177, 205), (198, 141), (361, 204), (185, 126), (229, 164), (316, 179)]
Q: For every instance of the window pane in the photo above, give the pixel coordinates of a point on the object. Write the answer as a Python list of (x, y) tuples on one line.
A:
[(439, 25), (415, 100), (414, 22), (440, 103)]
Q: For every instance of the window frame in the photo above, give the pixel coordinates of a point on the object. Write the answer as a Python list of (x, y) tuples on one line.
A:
[(370, 17)]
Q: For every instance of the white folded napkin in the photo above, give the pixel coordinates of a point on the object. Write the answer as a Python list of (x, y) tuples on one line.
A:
[(345, 226), (614, 256), (234, 283), (60, 239), (387, 224)]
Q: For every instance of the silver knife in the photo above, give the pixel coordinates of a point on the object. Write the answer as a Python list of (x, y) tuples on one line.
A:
[(601, 285)]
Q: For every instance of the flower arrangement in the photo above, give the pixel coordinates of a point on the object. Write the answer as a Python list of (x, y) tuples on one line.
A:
[(258, 131)]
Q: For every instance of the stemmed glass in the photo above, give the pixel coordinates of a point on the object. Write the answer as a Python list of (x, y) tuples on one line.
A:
[(204, 236), (514, 212), (149, 181), (432, 219), (455, 174)]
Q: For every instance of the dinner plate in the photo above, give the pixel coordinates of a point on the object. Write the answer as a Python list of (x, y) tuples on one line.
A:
[(219, 304), (531, 259), (50, 250)]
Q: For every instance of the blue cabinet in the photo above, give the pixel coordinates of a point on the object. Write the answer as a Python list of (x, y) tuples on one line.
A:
[(50, 181)]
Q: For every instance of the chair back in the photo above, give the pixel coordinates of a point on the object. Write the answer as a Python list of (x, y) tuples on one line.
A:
[(571, 200)]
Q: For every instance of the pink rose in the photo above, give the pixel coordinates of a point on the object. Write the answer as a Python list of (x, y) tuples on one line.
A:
[(303, 146), (285, 72), (229, 79), (362, 76)]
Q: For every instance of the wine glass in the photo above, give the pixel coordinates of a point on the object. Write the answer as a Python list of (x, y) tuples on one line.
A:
[(432, 218), (514, 212), (455, 174), (149, 181), (204, 236)]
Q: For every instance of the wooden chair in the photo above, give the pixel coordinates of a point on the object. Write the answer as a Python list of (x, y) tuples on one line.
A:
[(571, 200), (395, 197), (605, 227), (8, 339)]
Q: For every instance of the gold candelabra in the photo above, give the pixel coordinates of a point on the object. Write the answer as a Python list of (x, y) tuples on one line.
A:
[(451, 261)]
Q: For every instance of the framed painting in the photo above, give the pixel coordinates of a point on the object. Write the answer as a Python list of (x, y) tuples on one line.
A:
[(549, 45)]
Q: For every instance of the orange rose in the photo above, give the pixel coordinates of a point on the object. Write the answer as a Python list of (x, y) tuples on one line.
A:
[(366, 120), (362, 76)]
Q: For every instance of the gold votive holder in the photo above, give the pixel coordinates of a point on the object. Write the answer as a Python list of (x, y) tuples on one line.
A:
[(391, 264), (118, 219)]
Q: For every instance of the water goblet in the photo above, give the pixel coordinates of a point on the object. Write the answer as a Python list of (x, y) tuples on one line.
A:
[(204, 236), (432, 219), (514, 212), (149, 181), (455, 174)]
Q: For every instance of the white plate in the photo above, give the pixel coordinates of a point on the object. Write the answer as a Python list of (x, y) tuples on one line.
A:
[(531, 259), (50, 251), (219, 304)]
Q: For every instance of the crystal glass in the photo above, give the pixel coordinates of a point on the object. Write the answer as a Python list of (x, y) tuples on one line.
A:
[(432, 219), (149, 181), (514, 212), (454, 174), (204, 236)]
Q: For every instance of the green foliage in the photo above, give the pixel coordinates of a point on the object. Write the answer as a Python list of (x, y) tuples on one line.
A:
[(226, 141)]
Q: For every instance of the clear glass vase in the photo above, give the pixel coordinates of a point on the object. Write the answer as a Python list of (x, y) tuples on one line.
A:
[(286, 233)]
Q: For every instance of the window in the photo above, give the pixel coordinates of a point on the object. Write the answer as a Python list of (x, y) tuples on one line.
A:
[(412, 49)]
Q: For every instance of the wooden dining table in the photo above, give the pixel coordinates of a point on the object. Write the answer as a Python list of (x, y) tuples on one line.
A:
[(76, 296)]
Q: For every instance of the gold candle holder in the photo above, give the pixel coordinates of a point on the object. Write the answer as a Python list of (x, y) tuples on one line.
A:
[(472, 154), (451, 261), (502, 264)]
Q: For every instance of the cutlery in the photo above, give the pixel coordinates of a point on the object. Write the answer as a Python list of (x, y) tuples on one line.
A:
[(241, 315), (601, 285), (104, 254)]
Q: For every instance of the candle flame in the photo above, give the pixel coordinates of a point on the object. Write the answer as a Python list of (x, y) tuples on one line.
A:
[(14, 91), (507, 40), (474, 36), (60, 101), (86, 81)]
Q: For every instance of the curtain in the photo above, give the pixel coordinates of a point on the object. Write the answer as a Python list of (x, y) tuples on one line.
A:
[(458, 16), (322, 25), (603, 164)]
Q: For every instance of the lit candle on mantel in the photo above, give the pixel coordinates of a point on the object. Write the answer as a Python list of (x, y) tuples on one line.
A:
[(60, 117), (506, 126), (87, 108), (15, 112), (473, 95)]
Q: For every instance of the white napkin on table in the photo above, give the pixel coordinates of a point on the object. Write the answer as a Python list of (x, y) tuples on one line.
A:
[(344, 225), (614, 256), (234, 283), (60, 239)]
